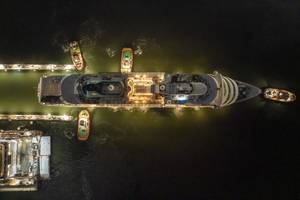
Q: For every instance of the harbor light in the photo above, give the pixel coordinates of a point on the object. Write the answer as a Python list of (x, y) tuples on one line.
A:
[(66, 117), (69, 67)]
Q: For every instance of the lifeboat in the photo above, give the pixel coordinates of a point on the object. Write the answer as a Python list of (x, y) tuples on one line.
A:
[(76, 56), (83, 130), (126, 60), (279, 95)]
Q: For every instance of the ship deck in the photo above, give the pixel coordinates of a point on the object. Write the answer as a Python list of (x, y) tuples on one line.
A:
[(140, 88)]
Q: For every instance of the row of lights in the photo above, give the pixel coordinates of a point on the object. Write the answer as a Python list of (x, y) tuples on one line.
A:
[(36, 117), (35, 67)]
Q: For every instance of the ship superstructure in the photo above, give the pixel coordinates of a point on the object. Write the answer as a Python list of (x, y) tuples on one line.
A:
[(143, 89), (24, 159)]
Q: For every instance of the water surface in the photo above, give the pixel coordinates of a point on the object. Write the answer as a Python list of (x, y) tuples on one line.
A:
[(246, 151)]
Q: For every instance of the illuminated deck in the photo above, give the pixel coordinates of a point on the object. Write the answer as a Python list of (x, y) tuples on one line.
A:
[(140, 88)]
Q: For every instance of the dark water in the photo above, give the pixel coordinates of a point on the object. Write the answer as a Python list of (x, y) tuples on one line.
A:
[(247, 151)]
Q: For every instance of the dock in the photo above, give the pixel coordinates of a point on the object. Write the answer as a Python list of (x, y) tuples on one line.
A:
[(49, 117), (36, 67)]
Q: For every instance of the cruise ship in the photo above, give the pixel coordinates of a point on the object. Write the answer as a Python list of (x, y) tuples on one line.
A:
[(24, 160), (143, 89)]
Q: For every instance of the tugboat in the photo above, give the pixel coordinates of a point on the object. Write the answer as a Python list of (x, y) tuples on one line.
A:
[(83, 131), (76, 56), (279, 95), (126, 60)]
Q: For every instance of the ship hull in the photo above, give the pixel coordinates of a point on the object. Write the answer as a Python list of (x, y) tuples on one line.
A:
[(143, 90), (247, 91)]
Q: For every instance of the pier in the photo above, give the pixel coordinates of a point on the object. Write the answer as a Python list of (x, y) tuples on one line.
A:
[(49, 117), (36, 67)]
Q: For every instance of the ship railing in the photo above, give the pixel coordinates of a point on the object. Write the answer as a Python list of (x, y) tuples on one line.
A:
[(131, 106)]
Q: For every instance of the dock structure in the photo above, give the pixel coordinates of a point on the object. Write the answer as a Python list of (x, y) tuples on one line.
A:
[(76, 57), (26, 117), (24, 159), (36, 67)]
